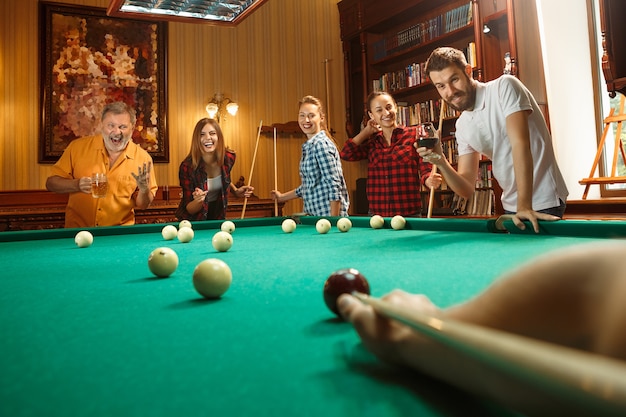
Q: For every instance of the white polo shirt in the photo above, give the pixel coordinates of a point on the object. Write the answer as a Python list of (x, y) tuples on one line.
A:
[(483, 130)]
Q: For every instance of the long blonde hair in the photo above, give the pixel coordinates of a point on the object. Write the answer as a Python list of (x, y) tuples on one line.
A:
[(196, 145)]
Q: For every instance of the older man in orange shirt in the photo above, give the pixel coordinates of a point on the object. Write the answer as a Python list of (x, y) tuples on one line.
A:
[(112, 152)]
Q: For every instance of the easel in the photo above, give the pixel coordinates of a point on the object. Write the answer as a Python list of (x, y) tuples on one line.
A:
[(612, 118)]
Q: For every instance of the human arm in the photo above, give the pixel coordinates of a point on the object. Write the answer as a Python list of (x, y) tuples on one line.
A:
[(243, 191), (196, 202), (428, 178), (356, 149), (573, 297), (519, 138), (461, 180), (370, 129), (192, 199), (144, 194), (282, 197), (58, 184)]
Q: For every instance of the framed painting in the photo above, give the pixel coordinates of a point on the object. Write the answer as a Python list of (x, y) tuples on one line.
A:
[(88, 60)]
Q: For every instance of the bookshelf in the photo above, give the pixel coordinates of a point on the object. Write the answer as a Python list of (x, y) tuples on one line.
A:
[(386, 45)]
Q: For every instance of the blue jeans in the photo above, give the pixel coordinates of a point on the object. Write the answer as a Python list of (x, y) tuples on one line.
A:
[(558, 211)]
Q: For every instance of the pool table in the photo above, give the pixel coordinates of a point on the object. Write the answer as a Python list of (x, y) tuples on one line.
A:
[(91, 332)]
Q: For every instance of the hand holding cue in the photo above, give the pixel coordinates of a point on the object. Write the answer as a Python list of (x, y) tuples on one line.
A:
[(275, 176), (431, 197), (256, 147), (556, 377)]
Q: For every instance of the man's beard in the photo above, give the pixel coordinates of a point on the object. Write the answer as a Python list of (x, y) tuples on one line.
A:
[(116, 146)]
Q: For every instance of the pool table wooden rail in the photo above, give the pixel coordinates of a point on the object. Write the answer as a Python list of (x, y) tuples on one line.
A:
[(42, 209)]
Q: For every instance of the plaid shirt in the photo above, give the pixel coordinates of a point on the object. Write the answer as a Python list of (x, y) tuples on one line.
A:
[(191, 179), (393, 172), (322, 177)]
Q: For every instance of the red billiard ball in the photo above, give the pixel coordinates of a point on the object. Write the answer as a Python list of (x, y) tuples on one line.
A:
[(343, 281)]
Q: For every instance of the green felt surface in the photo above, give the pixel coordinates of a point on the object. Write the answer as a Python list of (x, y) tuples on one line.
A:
[(90, 332)]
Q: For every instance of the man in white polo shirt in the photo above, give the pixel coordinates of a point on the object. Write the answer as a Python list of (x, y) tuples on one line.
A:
[(501, 120)]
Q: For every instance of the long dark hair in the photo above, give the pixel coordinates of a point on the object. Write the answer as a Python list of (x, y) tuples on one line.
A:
[(196, 146)]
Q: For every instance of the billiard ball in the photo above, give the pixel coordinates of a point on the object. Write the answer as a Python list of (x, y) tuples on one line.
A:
[(322, 226), (169, 232), (222, 241), (212, 278), (398, 222), (83, 239), (185, 234), (344, 224), (184, 223), (228, 226), (377, 222), (289, 225), (343, 281), (163, 262)]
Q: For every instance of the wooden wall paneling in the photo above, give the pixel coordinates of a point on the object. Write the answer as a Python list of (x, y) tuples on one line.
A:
[(266, 64)]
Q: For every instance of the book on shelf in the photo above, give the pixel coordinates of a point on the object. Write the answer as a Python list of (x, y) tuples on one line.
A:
[(424, 31), (413, 74)]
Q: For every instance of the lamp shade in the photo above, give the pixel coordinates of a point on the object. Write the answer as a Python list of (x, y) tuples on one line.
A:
[(232, 108), (212, 109)]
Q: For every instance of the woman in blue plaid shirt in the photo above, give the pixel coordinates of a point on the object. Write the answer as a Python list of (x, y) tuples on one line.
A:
[(323, 189)]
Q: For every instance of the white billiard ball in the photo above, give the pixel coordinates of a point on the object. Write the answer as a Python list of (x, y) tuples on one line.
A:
[(83, 239), (398, 222), (184, 223), (322, 226), (228, 226), (212, 278), (222, 241), (185, 234), (344, 224), (169, 232), (163, 262), (289, 225), (377, 222)]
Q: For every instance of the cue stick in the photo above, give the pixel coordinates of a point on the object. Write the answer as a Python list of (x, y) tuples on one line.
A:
[(275, 176), (431, 197), (585, 382), (327, 82), (501, 219), (256, 147)]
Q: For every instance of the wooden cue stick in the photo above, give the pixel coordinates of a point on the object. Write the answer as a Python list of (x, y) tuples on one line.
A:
[(431, 197), (256, 147), (583, 380), (275, 176)]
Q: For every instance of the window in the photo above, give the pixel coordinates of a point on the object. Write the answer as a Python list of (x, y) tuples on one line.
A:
[(608, 103)]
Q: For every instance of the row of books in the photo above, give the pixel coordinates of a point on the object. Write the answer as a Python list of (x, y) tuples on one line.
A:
[(422, 32), (484, 178), (414, 74), (449, 148), (481, 203), (425, 111)]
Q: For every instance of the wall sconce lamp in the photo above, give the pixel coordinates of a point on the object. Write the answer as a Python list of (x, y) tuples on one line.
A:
[(486, 29), (219, 104)]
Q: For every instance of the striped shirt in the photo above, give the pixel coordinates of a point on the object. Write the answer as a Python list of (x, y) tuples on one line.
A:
[(393, 172), (322, 177)]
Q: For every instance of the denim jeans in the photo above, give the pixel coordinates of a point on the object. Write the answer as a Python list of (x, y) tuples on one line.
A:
[(558, 211)]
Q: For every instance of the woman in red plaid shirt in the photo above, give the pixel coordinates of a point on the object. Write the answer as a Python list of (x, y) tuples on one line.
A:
[(205, 175), (395, 171)]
